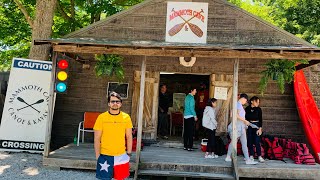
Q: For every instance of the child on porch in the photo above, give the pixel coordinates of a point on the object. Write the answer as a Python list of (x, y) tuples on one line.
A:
[(242, 124), (210, 123)]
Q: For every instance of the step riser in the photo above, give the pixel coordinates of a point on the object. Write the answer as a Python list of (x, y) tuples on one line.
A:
[(185, 168)]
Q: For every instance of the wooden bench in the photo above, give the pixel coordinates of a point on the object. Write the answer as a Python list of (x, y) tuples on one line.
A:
[(89, 119)]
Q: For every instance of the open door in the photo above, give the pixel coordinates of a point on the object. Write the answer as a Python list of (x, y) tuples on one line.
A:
[(150, 111), (223, 106)]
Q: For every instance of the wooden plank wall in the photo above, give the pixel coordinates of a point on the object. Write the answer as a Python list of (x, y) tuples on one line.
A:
[(227, 24)]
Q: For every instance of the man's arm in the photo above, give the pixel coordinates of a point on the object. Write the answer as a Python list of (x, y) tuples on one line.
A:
[(241, 118), (193, 110), (129, 140), (97, 140)]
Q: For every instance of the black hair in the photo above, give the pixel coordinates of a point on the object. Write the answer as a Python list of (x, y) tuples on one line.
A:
[(210, 101), (254, 98), (192, 88), (243, 95), (114, 94), (162, 85)]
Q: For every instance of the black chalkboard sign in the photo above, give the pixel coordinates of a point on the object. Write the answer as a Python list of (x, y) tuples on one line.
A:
[(120, 88)]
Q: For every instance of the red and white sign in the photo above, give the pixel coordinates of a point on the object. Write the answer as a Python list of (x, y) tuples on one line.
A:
[(187, 22)]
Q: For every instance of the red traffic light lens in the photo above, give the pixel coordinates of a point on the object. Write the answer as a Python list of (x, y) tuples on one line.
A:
[(63, 64)]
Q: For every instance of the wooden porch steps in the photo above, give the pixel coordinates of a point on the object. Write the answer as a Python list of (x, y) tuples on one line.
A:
[(185, 174)]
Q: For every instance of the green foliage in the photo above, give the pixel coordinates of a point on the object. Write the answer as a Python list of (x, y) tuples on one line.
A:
[(109, 65), (299, 17), (15, 32), (280, 70)]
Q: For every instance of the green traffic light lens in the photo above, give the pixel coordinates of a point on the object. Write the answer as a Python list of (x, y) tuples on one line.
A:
[(61, 87)]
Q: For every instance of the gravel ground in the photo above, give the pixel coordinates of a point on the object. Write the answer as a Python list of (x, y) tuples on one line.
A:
[(15, 166)]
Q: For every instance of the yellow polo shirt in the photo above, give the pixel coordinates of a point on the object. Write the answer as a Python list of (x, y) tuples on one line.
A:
[(113, 129)]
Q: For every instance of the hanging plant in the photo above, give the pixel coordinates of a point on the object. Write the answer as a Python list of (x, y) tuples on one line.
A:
[(279, 70), (109, 65)]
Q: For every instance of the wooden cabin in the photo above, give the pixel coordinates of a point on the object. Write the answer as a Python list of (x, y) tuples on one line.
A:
[(138, 34)]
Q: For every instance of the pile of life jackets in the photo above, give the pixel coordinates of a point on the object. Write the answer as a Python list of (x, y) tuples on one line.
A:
[(279, 148), (274, 148)]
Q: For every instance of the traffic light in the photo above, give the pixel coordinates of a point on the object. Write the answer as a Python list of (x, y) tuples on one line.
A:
[(62, 70)]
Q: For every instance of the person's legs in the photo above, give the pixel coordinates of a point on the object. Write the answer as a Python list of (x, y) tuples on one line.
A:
[(243, 140), (191, 121), (185, 133), (229, 147), (213, 146), (257, 144), (163, 124), (210, 143), (250, 137)]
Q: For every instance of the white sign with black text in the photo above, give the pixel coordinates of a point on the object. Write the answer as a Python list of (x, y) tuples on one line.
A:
[(25, 112), (187, 22), (221, 93)]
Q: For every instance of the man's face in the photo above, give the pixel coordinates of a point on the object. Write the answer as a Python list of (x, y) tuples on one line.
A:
[(163, 89), (115, 103), (243, 101), (194, 92)]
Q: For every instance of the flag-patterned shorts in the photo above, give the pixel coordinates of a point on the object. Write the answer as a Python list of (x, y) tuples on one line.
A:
[(116, 167)]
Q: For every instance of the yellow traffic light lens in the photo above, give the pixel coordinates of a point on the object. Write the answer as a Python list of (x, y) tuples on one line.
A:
[(62, 75)]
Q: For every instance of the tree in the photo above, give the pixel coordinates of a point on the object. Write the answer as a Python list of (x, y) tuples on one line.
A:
[(20, 21), (299, 17)]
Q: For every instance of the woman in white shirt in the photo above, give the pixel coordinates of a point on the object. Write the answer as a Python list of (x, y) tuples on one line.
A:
[(210, 123)]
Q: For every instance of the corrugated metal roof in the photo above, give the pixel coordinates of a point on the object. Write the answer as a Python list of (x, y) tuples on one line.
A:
[(156, 44)]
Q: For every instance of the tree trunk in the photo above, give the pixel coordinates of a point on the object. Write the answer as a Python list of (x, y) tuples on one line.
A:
[(42, 28)]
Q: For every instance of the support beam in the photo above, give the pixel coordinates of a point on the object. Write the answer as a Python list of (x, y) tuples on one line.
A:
[(234, 118), (311, 63), (140, 115), (51, 107), (186, 52)]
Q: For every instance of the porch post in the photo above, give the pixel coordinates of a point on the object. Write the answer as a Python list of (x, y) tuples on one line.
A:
[(234, 118), (50, 107), (140, 114)]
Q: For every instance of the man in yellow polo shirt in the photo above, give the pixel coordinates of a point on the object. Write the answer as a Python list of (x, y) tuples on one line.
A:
[(112, 131)]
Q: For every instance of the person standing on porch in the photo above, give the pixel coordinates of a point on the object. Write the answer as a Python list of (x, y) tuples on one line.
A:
[(113, 141), (190, 118), (201, 103), (242, 124), (210, 123), (163, 112), (254, 116)]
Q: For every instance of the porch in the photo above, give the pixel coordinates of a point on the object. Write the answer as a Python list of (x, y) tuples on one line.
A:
[(167, 158)]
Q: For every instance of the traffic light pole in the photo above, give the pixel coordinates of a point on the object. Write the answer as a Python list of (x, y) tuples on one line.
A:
[(51, 107)]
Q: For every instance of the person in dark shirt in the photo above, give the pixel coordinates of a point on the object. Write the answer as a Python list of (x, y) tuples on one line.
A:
[(202, 98), (164, 102), (254, 116)]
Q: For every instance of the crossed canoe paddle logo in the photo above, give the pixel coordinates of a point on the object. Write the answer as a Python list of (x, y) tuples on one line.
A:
[(29, 105), (194, 28)]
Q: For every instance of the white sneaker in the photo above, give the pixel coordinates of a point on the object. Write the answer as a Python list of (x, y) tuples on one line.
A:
[(251, 162), (251, 158), (228, 159), (261, 159), (208, 156), (214, 156)]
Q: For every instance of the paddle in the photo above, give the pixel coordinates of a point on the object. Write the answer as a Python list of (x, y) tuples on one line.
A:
[(29, 105)]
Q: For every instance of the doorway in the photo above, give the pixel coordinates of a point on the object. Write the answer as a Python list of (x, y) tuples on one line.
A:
[(178, 86)]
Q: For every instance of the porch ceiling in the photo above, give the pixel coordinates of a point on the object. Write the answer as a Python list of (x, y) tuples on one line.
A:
[(156, 48)]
